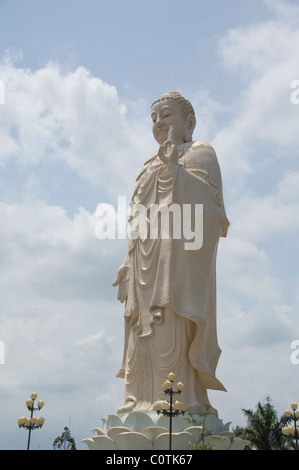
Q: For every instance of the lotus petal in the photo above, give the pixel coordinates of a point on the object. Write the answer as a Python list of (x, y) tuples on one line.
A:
[(90, 443), (163, 422), (153, 431), (196, 432), (133, 441), (179, 423), (98, 431), (226, 426), (239, 444), (137, 421), (113, 421), (213, 424), (230, 435), (112, 432), (217, 442), (139, 430), (180, 441), (104, 443), (162, 442)]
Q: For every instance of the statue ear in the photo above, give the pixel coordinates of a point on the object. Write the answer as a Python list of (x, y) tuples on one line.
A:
[(189, 127)]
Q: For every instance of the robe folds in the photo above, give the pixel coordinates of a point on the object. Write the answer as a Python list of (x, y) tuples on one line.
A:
[(170, 313)]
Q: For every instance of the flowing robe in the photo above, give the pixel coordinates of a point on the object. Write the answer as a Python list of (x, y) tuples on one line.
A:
[(170, 314)]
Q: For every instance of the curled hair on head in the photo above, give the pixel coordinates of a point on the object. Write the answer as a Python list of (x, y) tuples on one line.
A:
[(186, 107)]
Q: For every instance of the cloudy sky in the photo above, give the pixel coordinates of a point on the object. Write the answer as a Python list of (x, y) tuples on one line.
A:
[(76, 83)]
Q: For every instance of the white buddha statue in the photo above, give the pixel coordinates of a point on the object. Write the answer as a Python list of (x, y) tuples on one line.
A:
[(170, 291)]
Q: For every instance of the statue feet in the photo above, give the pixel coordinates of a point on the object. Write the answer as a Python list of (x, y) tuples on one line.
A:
[(128, 406)]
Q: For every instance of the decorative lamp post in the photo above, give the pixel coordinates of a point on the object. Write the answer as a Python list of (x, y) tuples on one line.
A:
[(33, 422), (171, 408), (292, 431)]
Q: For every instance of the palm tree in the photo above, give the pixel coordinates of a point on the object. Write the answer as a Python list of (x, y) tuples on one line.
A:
[(264, 428)]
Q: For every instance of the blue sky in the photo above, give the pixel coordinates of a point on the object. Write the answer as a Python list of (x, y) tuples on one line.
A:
[(123, 43), (75, 129)]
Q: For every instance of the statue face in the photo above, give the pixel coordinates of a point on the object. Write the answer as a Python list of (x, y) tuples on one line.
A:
[(167, 113)]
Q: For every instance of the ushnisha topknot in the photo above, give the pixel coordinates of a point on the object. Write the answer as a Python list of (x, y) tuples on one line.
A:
[(185, 105)]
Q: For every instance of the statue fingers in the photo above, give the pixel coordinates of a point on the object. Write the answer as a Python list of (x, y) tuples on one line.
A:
[(123, 291), (170, 143), (171, 136), (121, 272), (161, 154), (116, 280)]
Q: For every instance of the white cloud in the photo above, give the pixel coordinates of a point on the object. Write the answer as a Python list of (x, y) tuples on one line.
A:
[(284, 10), (263, 326), (60, 322), (206, 111), (269, 216), (245, 271), (55, 255), (257, 264), (54, 114), (264, 56)]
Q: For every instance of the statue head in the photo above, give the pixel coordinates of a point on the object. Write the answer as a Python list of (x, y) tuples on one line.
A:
[(173, 109)]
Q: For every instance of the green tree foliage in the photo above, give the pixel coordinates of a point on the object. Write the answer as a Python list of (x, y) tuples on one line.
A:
[(65, 441), (264, 428)]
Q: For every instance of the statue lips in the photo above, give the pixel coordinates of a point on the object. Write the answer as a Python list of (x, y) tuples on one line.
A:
[(163, 134)]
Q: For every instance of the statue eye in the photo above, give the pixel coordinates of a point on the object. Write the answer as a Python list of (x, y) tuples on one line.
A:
[(167, 113)]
